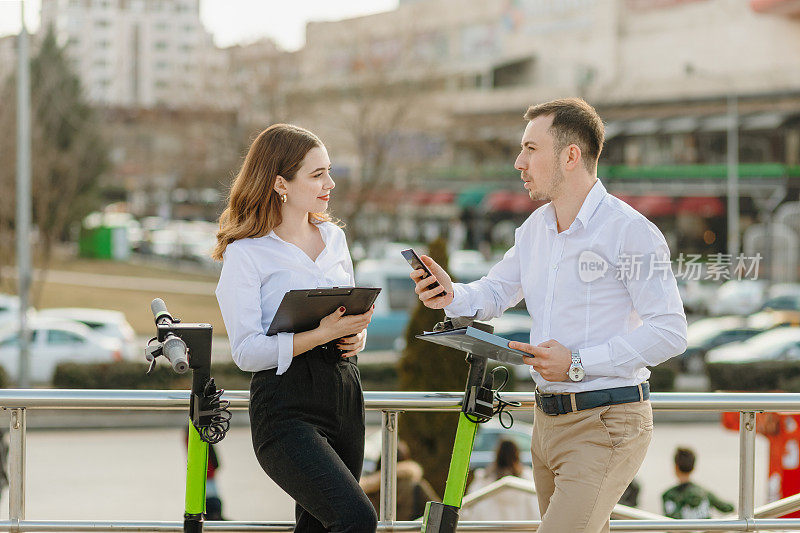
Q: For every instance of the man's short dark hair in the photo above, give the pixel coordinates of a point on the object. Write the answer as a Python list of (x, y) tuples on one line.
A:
[(574, 122), (684, 460)]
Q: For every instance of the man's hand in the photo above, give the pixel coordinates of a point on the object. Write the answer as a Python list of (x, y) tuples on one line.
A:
[(430, 297), (551, 359)]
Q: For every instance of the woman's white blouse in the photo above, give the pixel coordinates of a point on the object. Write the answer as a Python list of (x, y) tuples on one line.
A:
[(256, 273)]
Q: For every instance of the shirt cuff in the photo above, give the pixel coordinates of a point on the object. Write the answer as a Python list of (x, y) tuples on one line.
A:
[(596, 360), (460, 304), (285, 352)]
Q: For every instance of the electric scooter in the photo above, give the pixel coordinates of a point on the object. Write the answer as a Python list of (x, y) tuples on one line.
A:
[(477, 407), (188, 346)]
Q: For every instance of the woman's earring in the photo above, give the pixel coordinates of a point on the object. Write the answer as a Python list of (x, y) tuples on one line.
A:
[(284, 198)]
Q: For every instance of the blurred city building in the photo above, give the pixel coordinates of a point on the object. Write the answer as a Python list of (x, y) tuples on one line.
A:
[(136, 52), (421, 107), (660, 72)]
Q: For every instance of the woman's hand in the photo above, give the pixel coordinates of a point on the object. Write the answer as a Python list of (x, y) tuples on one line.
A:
[(353, 344), (336, 325)]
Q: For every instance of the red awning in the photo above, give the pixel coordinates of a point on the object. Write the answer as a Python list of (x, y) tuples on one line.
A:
[(705, 206), (441, 198), (776, 7), (512, 202), (653, 206), (500, 201)]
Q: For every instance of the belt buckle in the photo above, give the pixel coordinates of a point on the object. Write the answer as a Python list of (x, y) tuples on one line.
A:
[(538, 396)]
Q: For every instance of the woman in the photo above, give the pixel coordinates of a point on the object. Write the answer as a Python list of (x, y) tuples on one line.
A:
[(306, 404)]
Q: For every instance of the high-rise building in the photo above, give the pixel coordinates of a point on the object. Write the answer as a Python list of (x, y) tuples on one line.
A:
[(138, 53)]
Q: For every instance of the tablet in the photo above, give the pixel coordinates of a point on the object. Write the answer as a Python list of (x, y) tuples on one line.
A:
[(477, 342), (301, 310)]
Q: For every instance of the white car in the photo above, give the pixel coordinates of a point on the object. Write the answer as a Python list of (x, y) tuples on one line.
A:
[(779, 344), (9, 309), (102, 321), (54, 341), (738, 297)]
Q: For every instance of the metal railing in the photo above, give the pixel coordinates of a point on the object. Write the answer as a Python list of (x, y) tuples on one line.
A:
[(391, 404)]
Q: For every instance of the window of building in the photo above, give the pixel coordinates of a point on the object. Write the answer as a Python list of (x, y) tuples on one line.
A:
[(514, 73), (161, 45)]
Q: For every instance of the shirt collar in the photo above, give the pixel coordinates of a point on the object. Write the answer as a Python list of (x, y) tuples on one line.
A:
[(596, 195), (590, 204)]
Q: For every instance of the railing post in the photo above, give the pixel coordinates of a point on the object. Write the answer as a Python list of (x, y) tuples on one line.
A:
[(16, 466), (747, 460), (388, 511)]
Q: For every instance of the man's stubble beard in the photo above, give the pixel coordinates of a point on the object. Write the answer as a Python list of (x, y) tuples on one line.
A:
[(553, 190)]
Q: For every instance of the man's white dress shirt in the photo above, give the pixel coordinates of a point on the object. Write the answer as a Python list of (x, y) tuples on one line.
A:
[(603, 287), (256, 273)]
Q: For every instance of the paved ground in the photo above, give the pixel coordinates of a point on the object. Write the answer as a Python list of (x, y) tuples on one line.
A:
[(139, 474)]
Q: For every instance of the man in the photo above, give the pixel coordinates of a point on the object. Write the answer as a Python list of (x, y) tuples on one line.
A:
[(596, 279), (687, 500)]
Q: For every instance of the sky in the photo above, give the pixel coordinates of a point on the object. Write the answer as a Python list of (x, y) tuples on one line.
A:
[(237, 21)]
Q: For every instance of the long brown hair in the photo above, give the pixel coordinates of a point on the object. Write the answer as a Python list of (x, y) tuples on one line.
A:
[(254, 207), (506, 462)]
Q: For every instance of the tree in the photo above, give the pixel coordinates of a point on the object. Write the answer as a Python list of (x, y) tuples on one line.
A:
[(430, 367), (69, 153)]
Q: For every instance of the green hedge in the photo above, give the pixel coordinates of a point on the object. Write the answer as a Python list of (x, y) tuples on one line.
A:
[(662, 378), (757, 377), (131, 375)]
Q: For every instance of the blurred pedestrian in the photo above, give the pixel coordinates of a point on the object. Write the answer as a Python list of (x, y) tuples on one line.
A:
[(506, 504), (413, 490), (686, 499)]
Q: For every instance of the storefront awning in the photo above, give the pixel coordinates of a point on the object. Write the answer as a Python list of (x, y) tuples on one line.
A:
[(705, 206)]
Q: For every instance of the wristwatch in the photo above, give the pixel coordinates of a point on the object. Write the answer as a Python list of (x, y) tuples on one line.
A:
[(576, 371)]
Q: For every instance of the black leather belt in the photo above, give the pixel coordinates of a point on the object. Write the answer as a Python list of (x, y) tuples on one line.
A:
[(560, 404)]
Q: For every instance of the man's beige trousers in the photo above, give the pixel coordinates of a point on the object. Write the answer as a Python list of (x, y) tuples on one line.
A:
[(583, 461)]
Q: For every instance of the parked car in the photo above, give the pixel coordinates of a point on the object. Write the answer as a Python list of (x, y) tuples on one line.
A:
[(9, 309), (708, 333), (738, 297), (102, 321), (786, 302), (55, 340), (515, 326), (696, 295), (779, 344), (773, 318), (397, 299)]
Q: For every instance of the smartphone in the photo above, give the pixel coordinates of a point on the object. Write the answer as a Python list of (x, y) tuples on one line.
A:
[(417, 264)]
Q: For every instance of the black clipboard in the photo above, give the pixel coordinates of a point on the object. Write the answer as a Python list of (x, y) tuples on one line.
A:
[(302, 309), (477, 342)]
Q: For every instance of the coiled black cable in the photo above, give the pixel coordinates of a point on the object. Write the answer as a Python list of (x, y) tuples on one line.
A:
[(220, 416), (500, 410), (501, 403)]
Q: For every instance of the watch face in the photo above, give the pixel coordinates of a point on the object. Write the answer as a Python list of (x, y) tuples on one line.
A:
[(576, 373)]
